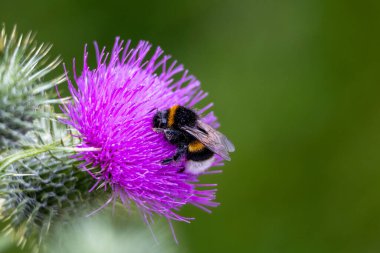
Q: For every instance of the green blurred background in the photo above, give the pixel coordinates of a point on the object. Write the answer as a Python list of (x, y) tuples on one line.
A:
[(296, 87)]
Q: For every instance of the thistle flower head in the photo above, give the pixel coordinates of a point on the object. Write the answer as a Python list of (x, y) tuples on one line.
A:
[(112, 109), (23, 69)]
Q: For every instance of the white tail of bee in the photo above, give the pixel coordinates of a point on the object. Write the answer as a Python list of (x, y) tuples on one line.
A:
[(198, 167)]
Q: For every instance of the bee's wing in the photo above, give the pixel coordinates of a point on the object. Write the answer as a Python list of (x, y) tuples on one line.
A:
[(212, 139)]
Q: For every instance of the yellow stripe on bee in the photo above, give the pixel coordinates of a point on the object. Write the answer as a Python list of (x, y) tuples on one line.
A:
[(196, 146), (172, 111)]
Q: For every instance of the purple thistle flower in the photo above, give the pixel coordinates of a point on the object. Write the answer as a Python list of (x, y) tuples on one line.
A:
[(112, 110)]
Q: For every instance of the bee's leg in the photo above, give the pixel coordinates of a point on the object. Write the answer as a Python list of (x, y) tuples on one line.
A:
[(167, 161), (173, 136), (178, 154)]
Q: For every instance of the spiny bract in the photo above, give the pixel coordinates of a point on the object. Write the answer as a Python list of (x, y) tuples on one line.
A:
[(39, 190), (23, 68)]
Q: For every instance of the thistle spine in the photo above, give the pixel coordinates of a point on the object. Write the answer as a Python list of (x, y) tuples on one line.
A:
[(24, 86)]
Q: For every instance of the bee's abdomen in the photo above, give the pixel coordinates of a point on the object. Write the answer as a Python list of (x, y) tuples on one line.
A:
[(196, 146), (197, 151)]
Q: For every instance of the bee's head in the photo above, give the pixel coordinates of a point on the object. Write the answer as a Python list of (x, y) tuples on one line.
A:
[(160, 120)]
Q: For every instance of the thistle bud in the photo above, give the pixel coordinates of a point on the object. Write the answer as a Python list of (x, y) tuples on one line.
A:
[(23, 67), (41, 185)]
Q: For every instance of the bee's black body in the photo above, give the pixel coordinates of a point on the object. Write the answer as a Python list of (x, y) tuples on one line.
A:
[(171, 121)]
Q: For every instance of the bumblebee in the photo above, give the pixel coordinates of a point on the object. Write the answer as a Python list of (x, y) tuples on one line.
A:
[(195, 140)]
